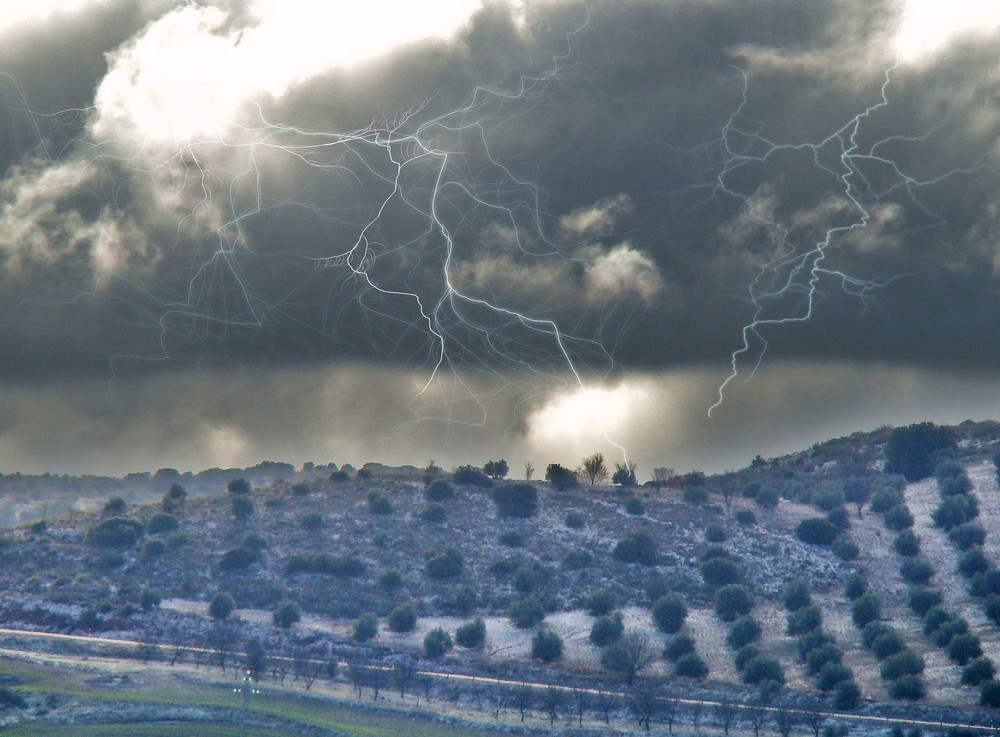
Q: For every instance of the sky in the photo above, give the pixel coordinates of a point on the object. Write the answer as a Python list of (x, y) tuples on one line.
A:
[(677, 232)]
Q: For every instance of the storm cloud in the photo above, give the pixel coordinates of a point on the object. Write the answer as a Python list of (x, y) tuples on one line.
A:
[(485, 218)]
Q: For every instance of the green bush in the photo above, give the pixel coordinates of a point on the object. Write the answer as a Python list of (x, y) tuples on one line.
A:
[(286, 614), (763, 668), (516, 500), (985, 584), (402, 619), (829, 499), (767, 497), (812, 640), (796, 595), (116, 532), (720, 572), (221, 606), (745, 655), (439, 491), (575, 521), (916, 571), (242, 507), (746, 517), (161, 522), (955, 510), (638, 547), (365, 628), (471, 634), (885, 499), (991, 607), (669, 613), (312, 521), (714, 551), (935, 619), (977, 671), (866, 608), (691, 666), (908, 688), (847, 696), (887, 645), (944, 634), (872, 631), (695, 494), (437, 642), (901, 664), (348, 566), (546, 646), (634, 506), (115, 505), (846, 549), (527, 579), (732, 602), (526, 613), (600, 603), (150, 599), (816, 531), (899, 518), (907, 544), (967, 535), (973, 561), (924, 598), (237, 559), (378, 504), (466, 600), (744, 631), (804, 620), (471, 476), (678, 646), (912, 451), (434, 514), (839, 518), (831, 675), (561, 478), (964, 647), (716, 534), (989, 694), (254, 541), (956, 485), (444, 564), (153, 549), (607, 629), (820, 656)]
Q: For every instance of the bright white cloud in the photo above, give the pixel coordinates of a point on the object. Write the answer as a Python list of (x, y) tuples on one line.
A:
[(621, 271), (21, 14), (929, 25)]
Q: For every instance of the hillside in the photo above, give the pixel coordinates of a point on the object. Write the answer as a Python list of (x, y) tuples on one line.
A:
[(926, 631)]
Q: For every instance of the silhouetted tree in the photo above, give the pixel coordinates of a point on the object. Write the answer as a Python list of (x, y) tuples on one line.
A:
[(595, 469)]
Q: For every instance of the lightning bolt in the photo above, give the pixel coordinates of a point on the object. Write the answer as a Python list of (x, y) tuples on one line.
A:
[(796, 270)]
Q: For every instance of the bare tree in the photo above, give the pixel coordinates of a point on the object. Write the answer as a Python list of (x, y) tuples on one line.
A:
[(644, 702), (356, 673), (307, 666), (814, 720), (784, 721), (607, 702), (595, 468), (177, 655), (670, 707), (631, 654), (553, 700), (757, 716), (529, 470), (522, 699), (223, 639), (377, 678), (697, 709), (405, 669), (580, 703), (661, 475), (725, 714), (499, 698)]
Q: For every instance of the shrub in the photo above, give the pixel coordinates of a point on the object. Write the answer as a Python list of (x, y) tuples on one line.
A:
[(471, 634), (964, 647), (437, 642), (714, 551), (716, 534), (516, 500), (846, 549), (866, 608), (907, 544), (669, 613), (916, 571), (546, 646), (935, 619), (977, 671), (254, 541), (691, 666), (989, 694), (744, 631), (922, 599), (678, 646), (909, 688), (847, 696), (829, 499), (804, 620), (607, 629), (238, 487), (561, 478), (911, 450), (312, 521), (439, 491), (796, 595), (763, 668), (832, 674), (901, 664), (973, 561), (348, 566), (365, 628), (434, 514), (991, 607), (526, 613), (402, 619), (634, 506), (115, 505), (872, 631), (767, 497), (899, 518), (161, 522), (720, 572), (378, 504), (956, 485), (471, 476), (444, 564), (839, 518), (985, 584), (466, 600), (746, 517), (600, 603), (390, 580), (732, 602), (887, 645), (744, 655), (153, 548), (812, 640), (816, 531), (885, 499), (511, 539), (527, 579), (575, 521), (237, 559), (577, 559), (820, 656), (638, 547), (857, 585), (967, 535), (221, 606), (116, 532), (955, 510), (695, 494), (150, 599), (286, 614), (242, 507)]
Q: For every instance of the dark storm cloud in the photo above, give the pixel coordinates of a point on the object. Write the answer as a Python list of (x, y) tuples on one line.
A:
[(586, 197)]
